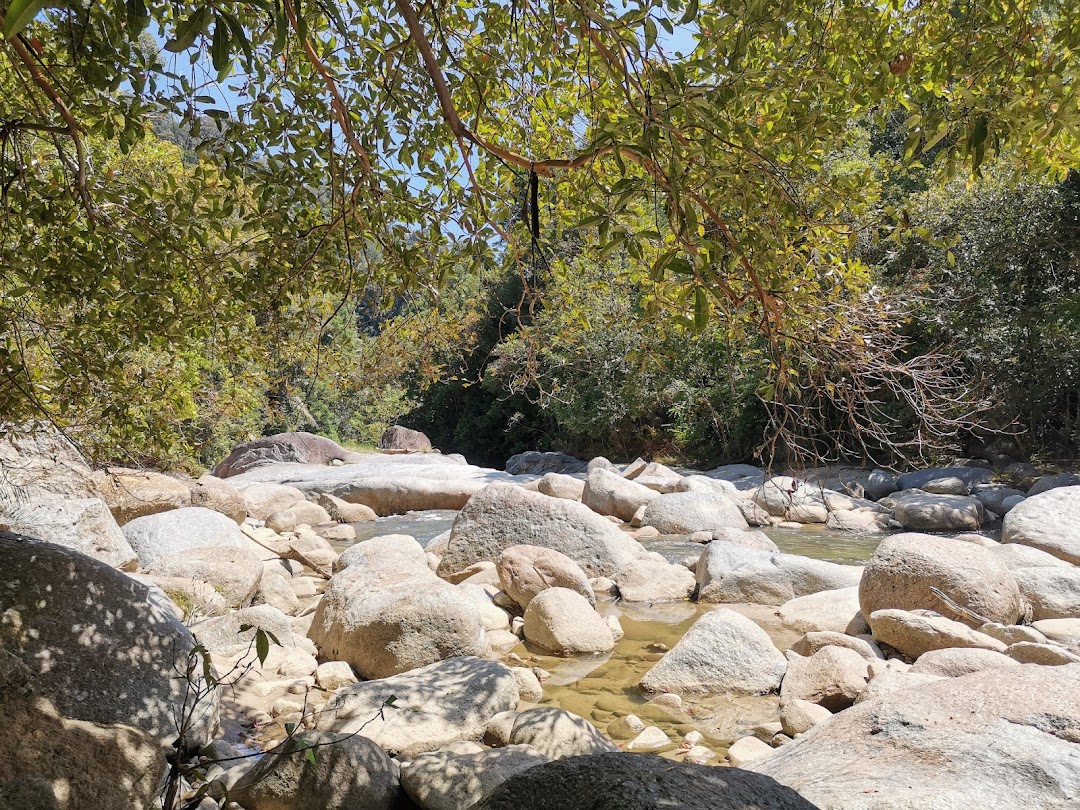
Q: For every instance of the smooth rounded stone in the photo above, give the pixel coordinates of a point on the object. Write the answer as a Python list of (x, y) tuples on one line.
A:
[(533, 462), (210, 492), (442, 780), (730, 574), (998, 738), (1014, 556), (651, 581), (1010, 503), (978, 539), (922, 511), (186, 599), (972, 476), (688, 512), (310, 513), (698, 755), (819, 639), (905, 568), (564, 622), (641, 782), (130, 494), (953, 663), (913, 634), (657, 476), (723, 652), (529, 687), (94, 642), (792, 500), (558, 734), (235, 573), (265, 498), (891, 681), (1052, 593), (947, 485), (297, 447), (1049, 521), (607, 493), (832, 677), (347, 772), (705, 484), (746, 750), (651, 739), (836, 611), (1048, 482), (458, 577), (502, 515), (799, 716), (332, 675), (1012, 633), (626, 727), (525, 571), (491, 615), (84, 525), (498, 729), (745, 537), (615, 626), (397, 437), (341, 511), (558, 485), (433, 706), (337, 533), (859, 520), (993, 496), (398, 552), (1064, 631), (223, 633), (1026, 652), (166, 533)]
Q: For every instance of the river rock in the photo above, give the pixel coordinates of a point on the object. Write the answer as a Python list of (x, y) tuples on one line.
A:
[(94, 644), (347, 772), (166, 533), (525, 571), (952, 663), (1052, 593), (1014, 556), (972, 476), (1002, 738), (276, 589), (38, 460), (610, 494), (799, 716), (817, 639), (397, 437), (790, 499), (992, 497), (398, 495), (564, 622), (923, 511), (1051, 655), (134, 493), (723, 652), (1047, 482), (836, 610), (905, 568), (434, 706), (263, 499), (81, 524), (750, 538), (727, 573), (689, 512), (654, 581), (1063, 631), (235, 573), (224, 634), (299, 447), (342, 511), (558, 734), (557, 485), (1049, 521), (503, 515), (537, 463), (641, 782), (656, 476), (211, 492), (914, 634), (832, 677), (444, 780)]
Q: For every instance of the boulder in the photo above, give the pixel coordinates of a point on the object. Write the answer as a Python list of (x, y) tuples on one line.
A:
[(235, 631), (836, 610), (166, 533), (299, 447), (914, 634), (791, 499), (1014, 556), (745, 537), (564, 622), (832, 677), (398, 495), (949, 485), (905, 569), (723, 652), (1052, 593), (557, 485), (342, 511), (93, 642), (397, 437), (1063, 631), (1002, 738), (607, 493), (993, 496), (525, 571), (689, 512), (276, 589), (860, 520), (641, 782), (345, 772), (37, 459), (81, 524), (952, 663), (1047, 655), (1048, 482), (923, 511), (558, 734), (972, 476), (799, 716), (1049, 521), (263, 499), (433, 706), (502, 515), (135, 493), (213, 493), (444, 780), (655, 475), (860, 482), (235, 573), (818, 639), (728, 573), (537, 463)]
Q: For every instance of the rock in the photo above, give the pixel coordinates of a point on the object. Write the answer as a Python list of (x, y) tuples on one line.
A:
[(529, 688), (557, 485), (224, 634), (564, 622), (130, 494), (492, 617), (891, 681), (728, 573), (443, 780), (722, 652), (972, 476), (299, 447), (653, 581), (536, 463), (938, 513), (799, 716), (688, 512), (952, 663), (949, 485), (501, 516), (607, 493), (650, 739), (94, 644), (263, 499), (626, 727), (81, 524), (188, 600), (397, 437), (332, 675), (38, 460), (832, 677), (860, 520), (615, 627), (655, 475), (706, 485), (998, 738), (1027, 652), (790, 499), (525, 571), (1049, 521), (344, 512), (1065, 631), (337, 533), (347, 772), (396, 554), (1011, 633), (1048, 482), (1014, 556), (210, 492), (1052, 593), (435, 705), (310, 513), (746, 750), (836, 610), (639, 782), (276, 590), (905, 568), (745, 537), (992, 497), (1010, 503), (167, 533), (497, 732), (914, 634), (816, 640), (235, 573), (558, 734)]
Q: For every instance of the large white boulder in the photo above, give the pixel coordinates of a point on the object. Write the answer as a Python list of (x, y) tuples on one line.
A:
[(166, 533), (564, 622), (525, 571), (1052, 593), (83, 524), (729, 573), (1049, 521), (689, 512), (607, 493)]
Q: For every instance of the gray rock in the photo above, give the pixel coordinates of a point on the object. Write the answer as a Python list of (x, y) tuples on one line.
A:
[(655, 475), (81, 524), (36, 459), (343, 511), (654, 581), (608, 493), (745, 537), (952, 663), (397, 437), (444, 780), (949, 485), (914, 634), (972, 476), (525, 571), (558, 485), (836, 610), (537, 463), (156, 536), (1048, 482), (799, 716), (1014, 556), (816, 640), (832, 677), (1052, 593), (923, 511), (564, 622), (1049, 521), (235, 573), (558, 734), (689, 512), (992, 496), (299, 447), (728, 573), (791, 499), (213, 493), (224, 634)]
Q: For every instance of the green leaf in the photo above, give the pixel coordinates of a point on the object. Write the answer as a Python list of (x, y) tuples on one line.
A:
[(588, 222), (650, 33), (219, 47), (188, 30), (309, 755), (691, 13), (19, 15), (262, 645), (702, 309)]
